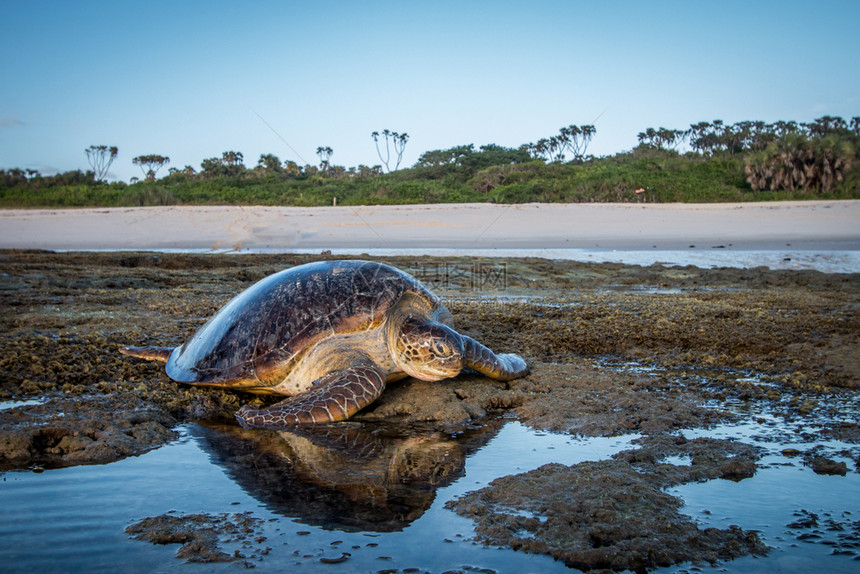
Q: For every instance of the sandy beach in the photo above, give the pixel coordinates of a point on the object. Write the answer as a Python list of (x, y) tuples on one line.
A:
[(809, 225)]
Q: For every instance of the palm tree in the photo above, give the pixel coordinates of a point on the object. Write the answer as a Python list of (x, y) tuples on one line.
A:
[(269, 162), (100, 157), (325, 155), (150, 164), (232, 158)]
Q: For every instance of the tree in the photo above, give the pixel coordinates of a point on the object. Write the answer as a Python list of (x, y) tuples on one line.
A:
[(761, 134), (12, 177), (574, 139), (392, 140), (709, 137), (100, 157), (551, 149), (783, 128), (439, 163), (325, 156), (365, 171), (826, 125), (211, 167), (292, 168), (269, 163), (229, 164), (233, 158), (181, 174), (150, 164), (233, 163)]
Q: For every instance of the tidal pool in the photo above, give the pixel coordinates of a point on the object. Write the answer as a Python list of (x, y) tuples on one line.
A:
[(810, 521), (74, 519)]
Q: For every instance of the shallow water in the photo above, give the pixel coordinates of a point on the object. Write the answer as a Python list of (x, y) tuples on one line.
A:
[(782, 493), (6, 405), (73, 519)]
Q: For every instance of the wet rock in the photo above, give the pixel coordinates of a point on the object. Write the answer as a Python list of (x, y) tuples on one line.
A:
[(615, 514), (588, 401), (843, 431), (597, 515), (839, 533), (709, 459), (806, 520), (737, 470), (201, 535), (419, 401), (65, 431), (824, 465)]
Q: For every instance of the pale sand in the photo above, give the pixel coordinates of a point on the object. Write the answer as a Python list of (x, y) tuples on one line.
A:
[(808, 225)]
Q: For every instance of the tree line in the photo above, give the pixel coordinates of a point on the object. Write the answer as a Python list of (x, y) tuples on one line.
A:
[(777, 156), (390, 146), (718, 137), (814, 156)]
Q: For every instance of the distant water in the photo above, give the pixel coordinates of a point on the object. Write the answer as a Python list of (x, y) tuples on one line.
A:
[(826, 261)]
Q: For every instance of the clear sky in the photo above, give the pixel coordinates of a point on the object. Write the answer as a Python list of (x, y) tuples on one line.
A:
[(191, 80)]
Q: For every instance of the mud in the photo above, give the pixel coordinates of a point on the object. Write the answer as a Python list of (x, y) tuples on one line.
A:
[(784, 341)]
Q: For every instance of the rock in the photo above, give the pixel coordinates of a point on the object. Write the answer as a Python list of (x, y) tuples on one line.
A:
[(824, 465)]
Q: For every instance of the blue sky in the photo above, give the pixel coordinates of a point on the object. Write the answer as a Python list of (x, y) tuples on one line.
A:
[(191, 80)]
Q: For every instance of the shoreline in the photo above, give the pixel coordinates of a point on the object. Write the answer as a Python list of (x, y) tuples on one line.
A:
[(582, 230)]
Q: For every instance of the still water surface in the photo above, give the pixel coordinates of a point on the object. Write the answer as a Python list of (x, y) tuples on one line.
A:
[(73, 519)]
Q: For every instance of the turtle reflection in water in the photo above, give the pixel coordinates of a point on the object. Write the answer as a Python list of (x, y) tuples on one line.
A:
[(346, 477), (329, 335)]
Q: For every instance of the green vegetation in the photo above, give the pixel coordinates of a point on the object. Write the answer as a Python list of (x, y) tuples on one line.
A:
[(746, 161)]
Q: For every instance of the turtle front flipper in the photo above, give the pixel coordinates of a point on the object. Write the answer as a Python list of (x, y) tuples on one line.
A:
[(334, 397), (502, 367)]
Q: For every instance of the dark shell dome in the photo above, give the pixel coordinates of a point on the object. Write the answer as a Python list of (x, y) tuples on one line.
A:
[(257, 337)]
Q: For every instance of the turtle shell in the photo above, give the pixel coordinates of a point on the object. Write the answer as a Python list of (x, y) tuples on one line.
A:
[(257, 337)]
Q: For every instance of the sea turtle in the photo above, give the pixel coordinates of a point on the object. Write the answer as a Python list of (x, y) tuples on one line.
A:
[(329, 335)]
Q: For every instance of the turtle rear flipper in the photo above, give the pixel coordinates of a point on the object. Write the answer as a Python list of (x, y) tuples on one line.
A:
[(335, 397), (502, 367), (148, 353)]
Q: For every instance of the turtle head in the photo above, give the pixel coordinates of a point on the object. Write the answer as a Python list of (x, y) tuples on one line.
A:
[(427, 350)]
